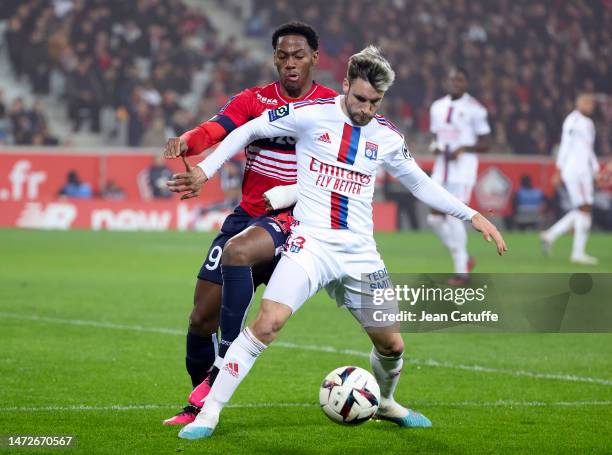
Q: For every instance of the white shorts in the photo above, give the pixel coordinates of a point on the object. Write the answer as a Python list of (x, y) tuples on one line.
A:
[(580, 190), (346, 264)]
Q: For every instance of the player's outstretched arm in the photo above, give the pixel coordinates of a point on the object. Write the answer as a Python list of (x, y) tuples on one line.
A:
[(275, 123), (403, 167), (189, 182), (195, 141), (279, 122), (489, 232)]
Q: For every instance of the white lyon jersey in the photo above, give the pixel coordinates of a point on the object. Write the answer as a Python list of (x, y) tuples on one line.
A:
[(336, 168), (337, 163), (576, 157), (457, 123)]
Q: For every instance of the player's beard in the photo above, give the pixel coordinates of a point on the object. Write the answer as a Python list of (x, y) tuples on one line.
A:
[(356, 117), (359, 119)]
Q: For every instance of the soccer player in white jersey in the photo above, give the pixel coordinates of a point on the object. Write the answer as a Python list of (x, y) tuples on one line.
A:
[(340, 143), (577, 166), (459, 123)]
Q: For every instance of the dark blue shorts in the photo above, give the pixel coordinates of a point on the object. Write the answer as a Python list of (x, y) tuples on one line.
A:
[(277, 224)]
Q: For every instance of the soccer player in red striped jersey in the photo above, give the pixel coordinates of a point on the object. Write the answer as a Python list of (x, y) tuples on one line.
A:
[(242, 256)]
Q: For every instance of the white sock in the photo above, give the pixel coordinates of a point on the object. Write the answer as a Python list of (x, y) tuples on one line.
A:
[(387, 372), (238, 361), (218, 362), (439, 224), (582, 227), (459, 245), (562, 226)]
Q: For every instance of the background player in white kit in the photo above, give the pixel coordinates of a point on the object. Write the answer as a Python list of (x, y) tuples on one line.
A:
[(459, 123), (340, 144), (578, 166)]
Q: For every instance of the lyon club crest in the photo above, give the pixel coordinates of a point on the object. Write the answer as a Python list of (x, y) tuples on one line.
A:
[(371, 150)]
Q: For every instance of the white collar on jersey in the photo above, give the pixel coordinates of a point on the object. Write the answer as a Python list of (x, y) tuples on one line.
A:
[(580, 114), (462, 98)]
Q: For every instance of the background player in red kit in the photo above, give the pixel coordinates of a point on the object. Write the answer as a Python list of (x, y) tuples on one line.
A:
[(242, 255)]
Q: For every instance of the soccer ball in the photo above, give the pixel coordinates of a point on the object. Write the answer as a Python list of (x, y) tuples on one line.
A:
[(349, 395)]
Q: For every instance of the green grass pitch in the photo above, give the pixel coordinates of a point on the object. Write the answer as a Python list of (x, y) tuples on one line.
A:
[(92, 345)]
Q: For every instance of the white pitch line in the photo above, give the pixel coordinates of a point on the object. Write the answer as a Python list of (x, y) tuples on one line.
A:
[(143, 407), (316, 348), (511, 403), (424, 404), (97, 324), (81, 407), (438, 364)]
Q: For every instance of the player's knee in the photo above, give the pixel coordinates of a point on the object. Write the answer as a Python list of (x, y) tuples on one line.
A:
[(202, 324), (266, 329), (267, 325), (236, 252), (392, 347)]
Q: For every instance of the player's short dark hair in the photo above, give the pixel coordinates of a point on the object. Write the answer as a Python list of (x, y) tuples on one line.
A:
[(297, 28), (462, 70)]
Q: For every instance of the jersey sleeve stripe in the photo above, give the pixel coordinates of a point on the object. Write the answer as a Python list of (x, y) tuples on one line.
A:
[(226, 122), (225, 105), (312, 104), (384, 122), (316, 100)]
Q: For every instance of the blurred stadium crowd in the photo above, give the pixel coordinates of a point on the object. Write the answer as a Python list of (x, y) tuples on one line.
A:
[(527, 59), (123, 64), (129, 68)]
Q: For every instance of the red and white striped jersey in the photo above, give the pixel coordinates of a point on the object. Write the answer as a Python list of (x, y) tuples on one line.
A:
[(337, 163), (271, 161)]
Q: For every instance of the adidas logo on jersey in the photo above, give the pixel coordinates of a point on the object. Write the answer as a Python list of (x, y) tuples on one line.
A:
[(325, 138), (231, 368)]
